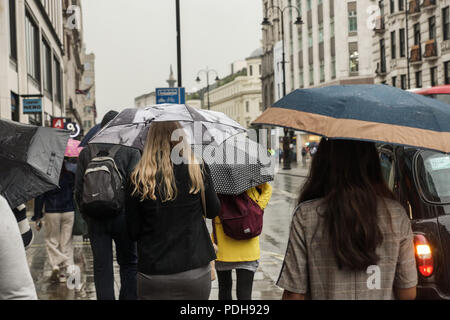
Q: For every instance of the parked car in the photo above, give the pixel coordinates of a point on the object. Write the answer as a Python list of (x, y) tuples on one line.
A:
[(421, 181)]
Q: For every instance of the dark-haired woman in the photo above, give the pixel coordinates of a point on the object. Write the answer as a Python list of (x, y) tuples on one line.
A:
[(349, 238)]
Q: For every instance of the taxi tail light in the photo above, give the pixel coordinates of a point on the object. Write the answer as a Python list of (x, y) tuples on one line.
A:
[(424, 255)]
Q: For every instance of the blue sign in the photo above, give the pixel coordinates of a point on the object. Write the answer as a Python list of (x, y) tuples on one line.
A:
[(170, 95), (32, 105)]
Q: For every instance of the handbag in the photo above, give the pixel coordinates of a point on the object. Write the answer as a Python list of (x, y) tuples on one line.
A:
[(79, 224), (212, 263)]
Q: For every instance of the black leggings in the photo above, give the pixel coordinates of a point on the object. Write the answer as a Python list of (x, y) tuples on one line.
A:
[(244, 284)]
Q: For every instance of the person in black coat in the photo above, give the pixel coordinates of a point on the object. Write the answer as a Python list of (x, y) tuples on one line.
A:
[(166, 217)]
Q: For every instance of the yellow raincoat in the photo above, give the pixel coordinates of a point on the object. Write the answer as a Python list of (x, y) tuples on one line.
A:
[(231, 250)]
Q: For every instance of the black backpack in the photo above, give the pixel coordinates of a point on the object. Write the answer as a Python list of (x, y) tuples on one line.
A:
[(103, 185)]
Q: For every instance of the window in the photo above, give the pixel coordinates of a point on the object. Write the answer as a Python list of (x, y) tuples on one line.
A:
[(58, 80), (417, 34), (392, 5), (447, 72), (47, 57), (401, 5), (393, 46), (403, 79), (433, 76), (311, 74), (402, 43), (247, 106), (87, 66), (32, 48), (419, 79), (352, 17), (332, 27), (12, 30), (446, 23), (259, 69), (321, 32), (433, 174), (354, 56), (301, 78), (394, 81), (251, 70), (310, 38), (333, 67), (432, 27), (382, 56), (15, 112), (322, 71), (308, 4)]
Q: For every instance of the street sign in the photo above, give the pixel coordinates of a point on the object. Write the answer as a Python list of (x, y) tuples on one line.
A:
[(58, 123), (170, 95), (74, 128), (32, 106)]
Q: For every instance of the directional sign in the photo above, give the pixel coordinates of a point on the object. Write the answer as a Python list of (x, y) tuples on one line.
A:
[(32, 106), (170, 95)]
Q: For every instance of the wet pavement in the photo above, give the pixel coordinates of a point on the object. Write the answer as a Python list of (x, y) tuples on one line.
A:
[(277, 218)]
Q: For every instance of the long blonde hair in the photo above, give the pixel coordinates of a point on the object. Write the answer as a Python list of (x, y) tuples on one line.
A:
[(155, 169)]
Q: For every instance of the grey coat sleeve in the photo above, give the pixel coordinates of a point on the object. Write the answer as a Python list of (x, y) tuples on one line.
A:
[(16, 282)]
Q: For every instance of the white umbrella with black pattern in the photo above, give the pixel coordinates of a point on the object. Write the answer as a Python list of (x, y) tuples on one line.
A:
[(237, 165), (130, 127)]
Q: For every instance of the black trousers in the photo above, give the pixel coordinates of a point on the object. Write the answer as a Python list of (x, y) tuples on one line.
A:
[(102, 234), (244, 284)]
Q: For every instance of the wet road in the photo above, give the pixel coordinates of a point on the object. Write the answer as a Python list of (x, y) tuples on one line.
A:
[(277, 218)]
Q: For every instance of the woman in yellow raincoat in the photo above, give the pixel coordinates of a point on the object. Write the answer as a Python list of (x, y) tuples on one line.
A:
[(241, 255)]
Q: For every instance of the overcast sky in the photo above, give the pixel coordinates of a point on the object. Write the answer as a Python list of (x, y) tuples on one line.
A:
[(135, 43)]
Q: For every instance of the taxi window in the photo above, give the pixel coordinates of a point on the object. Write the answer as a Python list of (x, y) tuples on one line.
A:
[(387, 168), (433, 174)]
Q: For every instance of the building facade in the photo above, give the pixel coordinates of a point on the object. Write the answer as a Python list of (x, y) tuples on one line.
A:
[(31, 59), (41, 58), (411, 43), (239, 95), (89, 114)]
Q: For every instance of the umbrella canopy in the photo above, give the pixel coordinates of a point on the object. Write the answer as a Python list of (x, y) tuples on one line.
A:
[(73, 149), (91, 133), (131, 126), (31, 159), (237, 165), (376, 113)]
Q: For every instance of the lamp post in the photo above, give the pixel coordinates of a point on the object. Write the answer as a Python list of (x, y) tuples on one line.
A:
[(177, 6), (207, 71), (298, 22)]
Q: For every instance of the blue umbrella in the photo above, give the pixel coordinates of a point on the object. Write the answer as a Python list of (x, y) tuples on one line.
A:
[(91, 133), (376, 113)]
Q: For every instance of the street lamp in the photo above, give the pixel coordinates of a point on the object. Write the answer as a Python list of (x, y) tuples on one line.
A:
[(207, 71), (298, 22)]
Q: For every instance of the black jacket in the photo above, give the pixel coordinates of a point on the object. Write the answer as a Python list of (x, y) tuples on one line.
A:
[(126, 159), (172, 237), (58, 200)]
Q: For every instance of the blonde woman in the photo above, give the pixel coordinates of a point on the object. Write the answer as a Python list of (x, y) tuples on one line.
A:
[(166, 220)]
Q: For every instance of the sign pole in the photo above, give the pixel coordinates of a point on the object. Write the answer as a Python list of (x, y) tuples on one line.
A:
[(180, 83)]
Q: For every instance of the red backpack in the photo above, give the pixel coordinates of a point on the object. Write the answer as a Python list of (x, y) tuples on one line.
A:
[(241, 217)]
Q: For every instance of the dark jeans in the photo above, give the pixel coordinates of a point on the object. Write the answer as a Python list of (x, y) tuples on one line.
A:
[(101, 234), (244, 284)]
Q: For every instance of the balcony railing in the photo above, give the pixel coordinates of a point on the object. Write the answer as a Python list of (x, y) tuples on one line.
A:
[(430, 49), (429, 4), (414, 7), (416, 55)]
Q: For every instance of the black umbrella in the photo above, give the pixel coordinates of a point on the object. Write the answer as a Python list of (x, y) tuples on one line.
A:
[(31, 159), (237, 165)]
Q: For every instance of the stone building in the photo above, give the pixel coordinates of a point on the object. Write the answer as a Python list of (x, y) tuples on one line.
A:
[(411, 43), (31, 59)]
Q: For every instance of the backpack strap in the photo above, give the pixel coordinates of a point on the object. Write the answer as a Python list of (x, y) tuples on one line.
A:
[(113, 151), (93, 149)]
